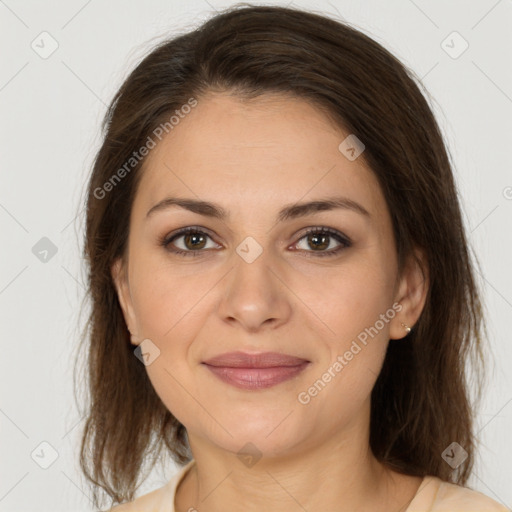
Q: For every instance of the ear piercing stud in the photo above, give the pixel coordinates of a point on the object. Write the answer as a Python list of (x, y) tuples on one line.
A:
[(406, 327)]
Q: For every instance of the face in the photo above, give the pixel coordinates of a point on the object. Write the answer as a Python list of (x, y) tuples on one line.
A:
[(258, 271)]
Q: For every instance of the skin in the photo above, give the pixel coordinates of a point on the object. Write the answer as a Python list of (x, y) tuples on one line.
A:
[(252, 158)]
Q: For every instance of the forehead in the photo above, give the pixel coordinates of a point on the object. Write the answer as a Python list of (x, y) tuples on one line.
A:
[(266, 151)]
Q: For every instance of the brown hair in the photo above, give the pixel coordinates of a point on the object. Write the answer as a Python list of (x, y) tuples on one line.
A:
[(420, 402)]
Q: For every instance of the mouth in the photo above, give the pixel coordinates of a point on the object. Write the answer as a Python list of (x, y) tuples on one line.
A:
[(255, 371)]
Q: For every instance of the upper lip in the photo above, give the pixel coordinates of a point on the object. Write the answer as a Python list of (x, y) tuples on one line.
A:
[(260, 360)]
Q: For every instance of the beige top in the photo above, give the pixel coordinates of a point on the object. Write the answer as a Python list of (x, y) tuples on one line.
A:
[(433, 495)]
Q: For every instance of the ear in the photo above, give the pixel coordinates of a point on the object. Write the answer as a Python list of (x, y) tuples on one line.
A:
[(120, 279), (411, 295)]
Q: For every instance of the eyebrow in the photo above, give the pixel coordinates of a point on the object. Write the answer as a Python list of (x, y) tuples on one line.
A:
[(289, 212)]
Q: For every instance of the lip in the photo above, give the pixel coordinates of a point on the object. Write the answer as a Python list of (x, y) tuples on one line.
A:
[(257, 360), (255, 371)]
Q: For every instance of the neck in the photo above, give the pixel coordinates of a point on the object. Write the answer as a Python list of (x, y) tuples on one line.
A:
[(339, 473)]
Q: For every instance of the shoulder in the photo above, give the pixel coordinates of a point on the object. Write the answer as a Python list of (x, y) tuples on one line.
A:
[(450, 497), (146, 503), (159, 500)]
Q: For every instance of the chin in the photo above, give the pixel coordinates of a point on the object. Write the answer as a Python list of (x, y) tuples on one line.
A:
[(267, 435)]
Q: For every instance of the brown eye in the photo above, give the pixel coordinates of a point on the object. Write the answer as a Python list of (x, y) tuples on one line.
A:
[(190, 241), (318, 242), (323, 242), (194, 241)]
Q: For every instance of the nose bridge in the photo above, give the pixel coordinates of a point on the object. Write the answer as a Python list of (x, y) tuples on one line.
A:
[(254, 295), (252, 271)]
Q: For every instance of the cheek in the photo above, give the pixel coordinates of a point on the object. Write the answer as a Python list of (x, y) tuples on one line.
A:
[(175, 392), (343, 382), (355, 306), (347, 299), (171, 314), (167, 300)]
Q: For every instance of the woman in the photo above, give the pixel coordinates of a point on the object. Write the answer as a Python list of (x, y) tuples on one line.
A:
[(282, 290)]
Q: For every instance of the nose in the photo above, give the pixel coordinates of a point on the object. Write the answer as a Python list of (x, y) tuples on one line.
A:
[(255, 296)]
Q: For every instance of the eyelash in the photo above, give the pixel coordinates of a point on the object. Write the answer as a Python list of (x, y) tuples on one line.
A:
[(166, 240)]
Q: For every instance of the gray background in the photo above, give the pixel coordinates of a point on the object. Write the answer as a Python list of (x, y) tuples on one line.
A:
[(51, 113)]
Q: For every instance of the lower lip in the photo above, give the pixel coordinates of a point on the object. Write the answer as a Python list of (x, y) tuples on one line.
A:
[(256, 378)]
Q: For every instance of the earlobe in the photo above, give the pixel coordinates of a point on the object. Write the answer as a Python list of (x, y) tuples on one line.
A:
[(121, 285)]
